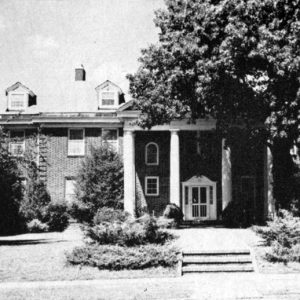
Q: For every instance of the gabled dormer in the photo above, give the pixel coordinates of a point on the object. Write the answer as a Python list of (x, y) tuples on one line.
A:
[(109, 95), (19, 97)]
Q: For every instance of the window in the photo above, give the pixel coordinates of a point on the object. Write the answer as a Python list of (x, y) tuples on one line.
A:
[(152, 186), (107, 99), (152, 155), (69, 190), (110, 136), (17, 101), (76, 145), (17, 143)]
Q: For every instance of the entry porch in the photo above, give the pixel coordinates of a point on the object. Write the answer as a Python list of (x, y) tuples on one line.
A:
[(191, 166)]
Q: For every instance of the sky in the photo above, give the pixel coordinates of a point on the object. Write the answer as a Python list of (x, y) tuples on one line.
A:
[(43, 41)]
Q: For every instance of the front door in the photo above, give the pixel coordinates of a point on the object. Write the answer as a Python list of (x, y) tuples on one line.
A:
[(199, 202)]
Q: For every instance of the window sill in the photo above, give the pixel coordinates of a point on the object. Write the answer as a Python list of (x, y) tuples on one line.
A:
[(75, 155)]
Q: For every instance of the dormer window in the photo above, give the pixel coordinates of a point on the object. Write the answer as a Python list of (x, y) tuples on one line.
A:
[(109, 95), (19, 97), (17, 101), (108, 99)]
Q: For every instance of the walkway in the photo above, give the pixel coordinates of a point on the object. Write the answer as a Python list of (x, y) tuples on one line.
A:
[(214, 238)]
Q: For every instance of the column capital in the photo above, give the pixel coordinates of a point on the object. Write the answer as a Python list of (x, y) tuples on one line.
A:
[(174, 131), (129, 131)]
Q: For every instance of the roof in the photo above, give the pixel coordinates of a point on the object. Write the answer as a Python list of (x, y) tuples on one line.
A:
[(16, 86), (70, 96), (108, 82)]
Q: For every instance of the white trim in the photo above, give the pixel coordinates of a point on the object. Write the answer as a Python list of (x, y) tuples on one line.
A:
[(76, 154), (16, 142), (146, 185), (157, 154)]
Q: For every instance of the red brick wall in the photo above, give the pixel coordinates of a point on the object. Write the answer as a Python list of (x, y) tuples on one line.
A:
[(158, 203), (59, 165)]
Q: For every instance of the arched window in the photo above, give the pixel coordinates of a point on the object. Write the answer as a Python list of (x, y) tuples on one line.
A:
[(152, 156)]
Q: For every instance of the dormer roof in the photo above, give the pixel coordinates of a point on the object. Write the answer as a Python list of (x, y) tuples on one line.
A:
[(108, 83), (16, 86)]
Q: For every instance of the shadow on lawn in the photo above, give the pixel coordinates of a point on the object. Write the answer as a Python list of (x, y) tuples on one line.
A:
[(28, 242)]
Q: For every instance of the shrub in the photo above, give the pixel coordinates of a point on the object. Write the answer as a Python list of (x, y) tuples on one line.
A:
[(81, 212), (129, 233), (100, 180), (285, 229), (56, 217), (283, 235), (107, 214), (113, 257), (163, 222), (172, 211), (36, 226), (36, 201), (234, 215)]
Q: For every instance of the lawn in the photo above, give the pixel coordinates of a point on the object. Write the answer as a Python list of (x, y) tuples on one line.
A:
[(40, 257)]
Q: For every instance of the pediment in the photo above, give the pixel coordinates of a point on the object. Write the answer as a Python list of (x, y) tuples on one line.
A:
[(199, 180), (108, 86), (18, 86)]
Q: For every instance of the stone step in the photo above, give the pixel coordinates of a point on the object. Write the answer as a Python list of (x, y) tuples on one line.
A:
[(216, 252), (217, 259), (217, 268)]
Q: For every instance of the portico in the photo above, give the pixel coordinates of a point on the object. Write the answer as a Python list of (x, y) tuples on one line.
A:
[(173, 132)]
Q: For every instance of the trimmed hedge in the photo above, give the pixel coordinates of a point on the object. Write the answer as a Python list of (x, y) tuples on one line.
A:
[(114, 257), (129, 233)]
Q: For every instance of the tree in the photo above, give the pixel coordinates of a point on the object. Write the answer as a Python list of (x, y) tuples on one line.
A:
[(99, 183), (234, 60), (11, 190)]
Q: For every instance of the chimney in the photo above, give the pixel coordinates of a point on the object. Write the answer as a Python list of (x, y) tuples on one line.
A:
[(80, 74)]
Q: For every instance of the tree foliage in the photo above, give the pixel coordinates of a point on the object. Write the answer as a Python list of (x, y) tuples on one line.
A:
[(234, 60), (99, 183), (11, 190)]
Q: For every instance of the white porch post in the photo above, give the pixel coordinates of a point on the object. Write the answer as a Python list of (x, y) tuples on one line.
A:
[(129, 171), (174, 168), (226, 176), (269, 205)]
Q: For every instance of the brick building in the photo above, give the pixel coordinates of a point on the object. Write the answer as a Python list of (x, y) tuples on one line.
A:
[(181, 163)]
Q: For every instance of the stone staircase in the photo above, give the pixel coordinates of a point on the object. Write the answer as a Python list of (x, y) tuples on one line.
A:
[(202, 261)]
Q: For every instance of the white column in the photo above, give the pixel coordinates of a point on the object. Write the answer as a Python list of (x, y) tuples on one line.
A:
[(269, 204), (129, 171), (226, 176), (174, 168)]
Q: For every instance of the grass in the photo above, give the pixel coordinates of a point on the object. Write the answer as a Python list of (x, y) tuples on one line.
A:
[(41, 257)]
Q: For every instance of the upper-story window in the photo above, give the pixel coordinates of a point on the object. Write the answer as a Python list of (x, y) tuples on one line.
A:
[(17, 101), (152, 154), (17, 143), (111, 137), (76, 143)]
